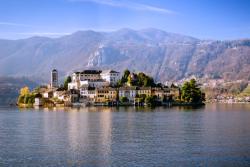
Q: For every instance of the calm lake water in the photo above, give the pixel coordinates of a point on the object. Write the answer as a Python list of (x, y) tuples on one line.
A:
[(214, 135)]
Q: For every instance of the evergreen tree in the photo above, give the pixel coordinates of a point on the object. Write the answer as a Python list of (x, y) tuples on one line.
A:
[(66, 82), (190, 92)]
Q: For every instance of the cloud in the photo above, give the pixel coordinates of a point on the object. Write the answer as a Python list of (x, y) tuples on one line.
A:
[(129, 5), (15, 24), (43, 33)]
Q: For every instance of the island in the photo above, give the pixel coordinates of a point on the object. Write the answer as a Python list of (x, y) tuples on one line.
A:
[(110, 88)]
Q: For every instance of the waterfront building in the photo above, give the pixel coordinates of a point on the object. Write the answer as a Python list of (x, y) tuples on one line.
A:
[(106, 94), (159, 93), (60, 95), (144, 91), (39, 101), (87, 93), (128, 92), (48, 94)]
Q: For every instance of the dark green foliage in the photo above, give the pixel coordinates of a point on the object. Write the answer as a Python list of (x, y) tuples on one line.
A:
[(151, 100), (139, 79), (124, 99), (124, 78), (20, 99), (66, 82), (190, 92)]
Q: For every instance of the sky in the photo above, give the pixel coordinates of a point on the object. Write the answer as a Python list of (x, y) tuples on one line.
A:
[(204, 19)]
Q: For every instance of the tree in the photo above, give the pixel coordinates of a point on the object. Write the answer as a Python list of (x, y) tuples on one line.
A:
[(20, 99), (124, 78), (190, 92), (150, 100), (124, 99), (126, 73), (66, 82), (24, 91)]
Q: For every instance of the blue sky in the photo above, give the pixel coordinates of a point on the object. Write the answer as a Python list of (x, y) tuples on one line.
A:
[(205, 19)]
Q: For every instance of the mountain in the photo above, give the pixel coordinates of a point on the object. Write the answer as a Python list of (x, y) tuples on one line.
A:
[(166, 56)]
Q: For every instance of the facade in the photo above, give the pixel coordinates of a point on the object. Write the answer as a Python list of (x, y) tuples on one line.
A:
[(38, 101), (146, 91), (94, 83), (48, 94), (60, 95), (159, 93), (87, 92), (106, 94), (54, 78), (89, 75), (74, 85), (110, 76), (128, 92)]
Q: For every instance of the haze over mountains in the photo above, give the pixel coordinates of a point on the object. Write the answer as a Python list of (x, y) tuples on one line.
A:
[(166, 56)]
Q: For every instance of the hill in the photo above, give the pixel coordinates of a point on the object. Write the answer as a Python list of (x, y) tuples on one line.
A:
[(166, 56)]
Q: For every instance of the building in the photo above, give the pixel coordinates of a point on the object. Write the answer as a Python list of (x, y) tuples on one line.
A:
[(94, 83), (48, 94), (60, 95), (39, 101), (106, 94), (54, 78), (74, 96), (159, 93), (128, 92), (89, 75), (144, 91), (87, 93), (110, 76)]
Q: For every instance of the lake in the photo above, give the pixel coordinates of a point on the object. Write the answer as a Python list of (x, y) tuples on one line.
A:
[(213, 135)]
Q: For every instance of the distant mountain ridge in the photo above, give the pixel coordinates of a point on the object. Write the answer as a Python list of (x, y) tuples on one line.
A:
[(166, 56)]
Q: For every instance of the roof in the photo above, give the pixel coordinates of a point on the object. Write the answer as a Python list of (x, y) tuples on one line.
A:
[(91, 72), (87, 87), (144, 88), (88, 72), (107, 88), (128, 88), (109, 71), (54, 70)]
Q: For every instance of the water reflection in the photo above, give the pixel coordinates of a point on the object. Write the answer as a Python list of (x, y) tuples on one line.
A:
[(214, 135)]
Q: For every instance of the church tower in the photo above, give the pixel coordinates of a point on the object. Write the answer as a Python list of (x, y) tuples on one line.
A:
[(54, 78)]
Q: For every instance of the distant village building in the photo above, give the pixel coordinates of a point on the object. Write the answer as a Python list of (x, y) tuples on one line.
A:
[(54, 78)]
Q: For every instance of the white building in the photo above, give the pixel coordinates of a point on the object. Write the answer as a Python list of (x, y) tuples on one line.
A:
[(93, 78), (110, 76), (86, 75), (94, 83), (129, 92), (74, 85), (38, 101), (87, 92)]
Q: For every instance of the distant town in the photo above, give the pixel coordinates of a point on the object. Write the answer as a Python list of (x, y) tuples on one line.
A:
[(110, 88)]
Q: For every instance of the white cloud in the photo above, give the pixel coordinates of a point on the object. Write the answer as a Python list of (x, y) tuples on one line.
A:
[(129, 5), (15, 24), (42, 33)]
